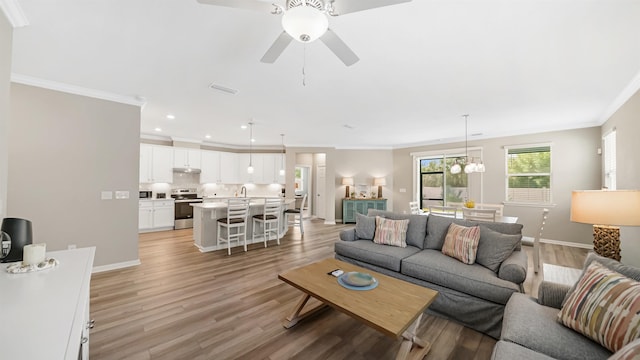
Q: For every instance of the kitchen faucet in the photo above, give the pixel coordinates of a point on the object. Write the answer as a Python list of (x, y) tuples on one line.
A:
[(243, 190)]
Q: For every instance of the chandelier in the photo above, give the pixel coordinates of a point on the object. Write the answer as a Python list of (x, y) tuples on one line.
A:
[(470, 166)]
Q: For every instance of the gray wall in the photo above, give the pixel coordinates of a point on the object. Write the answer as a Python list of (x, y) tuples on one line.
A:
[(363, 166), (627, 123), (575, 166), (6, 34), (63, 151)]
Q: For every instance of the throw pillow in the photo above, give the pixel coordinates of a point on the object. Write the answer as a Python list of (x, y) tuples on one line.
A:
[(391, 232), (365, 226), (494, 248), (462, 243), (604, 306), (631, 351)]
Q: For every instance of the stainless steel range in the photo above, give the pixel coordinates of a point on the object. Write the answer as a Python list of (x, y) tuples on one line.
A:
[(183, 218)]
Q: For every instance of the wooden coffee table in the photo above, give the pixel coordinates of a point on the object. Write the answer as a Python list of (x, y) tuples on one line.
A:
[(394, 307)]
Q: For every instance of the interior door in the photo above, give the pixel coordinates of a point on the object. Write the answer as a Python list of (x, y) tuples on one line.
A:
[(320, 192)]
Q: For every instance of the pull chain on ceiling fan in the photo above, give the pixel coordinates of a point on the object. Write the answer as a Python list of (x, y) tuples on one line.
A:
[(306, 21)]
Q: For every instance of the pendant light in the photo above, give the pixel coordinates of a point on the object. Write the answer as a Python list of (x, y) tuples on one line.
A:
[(250, 168), (282, 157), (470, 166)]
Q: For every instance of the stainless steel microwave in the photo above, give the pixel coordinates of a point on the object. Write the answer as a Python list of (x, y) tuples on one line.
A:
[(146, 194)]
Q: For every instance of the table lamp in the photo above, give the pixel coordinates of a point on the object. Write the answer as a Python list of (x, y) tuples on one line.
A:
[(347, 181), (379, 182), (606, 210)]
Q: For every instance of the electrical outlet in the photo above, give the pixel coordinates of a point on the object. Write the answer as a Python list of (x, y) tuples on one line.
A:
[(71, 246), (122, 195), (402, 190)]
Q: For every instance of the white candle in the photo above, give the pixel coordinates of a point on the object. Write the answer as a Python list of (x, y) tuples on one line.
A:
[(33, 254)]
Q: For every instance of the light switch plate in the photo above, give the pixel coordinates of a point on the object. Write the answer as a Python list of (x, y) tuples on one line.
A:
[(403, 190), (122, 195), (106, 195)]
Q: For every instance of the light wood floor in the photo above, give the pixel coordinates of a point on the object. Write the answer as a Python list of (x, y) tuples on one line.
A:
[(183, 304)]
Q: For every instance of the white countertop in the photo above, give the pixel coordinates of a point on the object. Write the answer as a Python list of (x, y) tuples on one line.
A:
[(223, 204), (154, 199)]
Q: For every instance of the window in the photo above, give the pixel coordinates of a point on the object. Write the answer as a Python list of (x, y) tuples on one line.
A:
[(529, 174), (609, 141), (437, 185)]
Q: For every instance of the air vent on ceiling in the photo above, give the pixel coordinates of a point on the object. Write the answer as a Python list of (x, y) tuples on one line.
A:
[(223, 88)]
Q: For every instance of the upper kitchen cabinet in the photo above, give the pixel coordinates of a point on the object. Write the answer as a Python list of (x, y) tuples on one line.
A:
[(186, 158), (210, 165), (272, 164), (229, 168), (156, 164)]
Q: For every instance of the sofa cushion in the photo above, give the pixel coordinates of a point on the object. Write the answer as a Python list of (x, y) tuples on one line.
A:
[(504, 350), (417, 230), (534, 326), (365, 226), (437, 227), (461, 243), (495, 247), (391, 232), (604, 306), (631, 351), (475, 280), (388, 257)]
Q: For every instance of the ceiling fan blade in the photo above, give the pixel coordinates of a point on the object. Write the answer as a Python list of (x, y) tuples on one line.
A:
[(342, 7), (342, 51), (241, 4), (277, 48)]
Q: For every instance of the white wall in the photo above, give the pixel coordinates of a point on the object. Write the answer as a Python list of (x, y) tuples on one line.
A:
[(64, 151), (627, 123), (575, 166), (363, 166), (6, 34)]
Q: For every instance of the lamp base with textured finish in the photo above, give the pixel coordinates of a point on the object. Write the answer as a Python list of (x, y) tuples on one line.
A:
[(606, 241)]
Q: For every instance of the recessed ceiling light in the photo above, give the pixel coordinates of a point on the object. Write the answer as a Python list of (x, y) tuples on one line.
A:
[(171, 116), (208, 136), (243, 127), (253, 140), (158, 129)]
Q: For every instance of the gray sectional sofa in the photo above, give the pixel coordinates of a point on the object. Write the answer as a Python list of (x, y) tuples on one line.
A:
[(474, 295), (530, 330)]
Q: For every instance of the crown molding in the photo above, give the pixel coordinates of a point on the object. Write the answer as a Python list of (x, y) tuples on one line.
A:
[(626, 94), (13, 11), (76, 90)]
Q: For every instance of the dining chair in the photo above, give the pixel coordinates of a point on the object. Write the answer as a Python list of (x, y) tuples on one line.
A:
[(297, 215), (269, 220), (479, 214), (237, 213), (536, 241), (447, 211), (414, 207), (499, 208)]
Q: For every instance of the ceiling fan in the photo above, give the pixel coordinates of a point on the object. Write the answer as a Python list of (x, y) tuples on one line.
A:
[(306, 21)]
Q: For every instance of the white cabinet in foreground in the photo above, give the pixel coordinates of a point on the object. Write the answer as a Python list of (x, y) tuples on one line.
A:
[(45, 314), (156, 215)]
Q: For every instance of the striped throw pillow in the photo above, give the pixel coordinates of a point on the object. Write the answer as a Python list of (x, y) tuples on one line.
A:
[(631, 351), (391, 232), (461, 243), (604, 306)]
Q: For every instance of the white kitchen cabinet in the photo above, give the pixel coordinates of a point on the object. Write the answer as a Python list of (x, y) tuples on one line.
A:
[(271, 171), (229, 168), (156, 215), (45, 314), (186, 158), (156, 164), (210, 161), (243, 164)]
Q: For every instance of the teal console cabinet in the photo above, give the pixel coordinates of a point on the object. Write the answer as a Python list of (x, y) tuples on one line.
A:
[(351, 207)]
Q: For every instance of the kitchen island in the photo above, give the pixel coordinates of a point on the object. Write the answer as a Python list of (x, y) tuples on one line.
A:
[(206, 215)]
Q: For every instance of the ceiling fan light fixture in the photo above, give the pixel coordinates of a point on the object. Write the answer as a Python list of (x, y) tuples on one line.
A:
[(305, 23)]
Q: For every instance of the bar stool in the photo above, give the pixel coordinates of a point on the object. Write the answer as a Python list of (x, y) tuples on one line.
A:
[(270, 220), (297, 215), (237, 212)]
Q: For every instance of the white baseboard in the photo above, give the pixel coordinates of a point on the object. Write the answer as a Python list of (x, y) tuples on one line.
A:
[(205, 249), (329, 222), (116, 266), (558, 242)]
